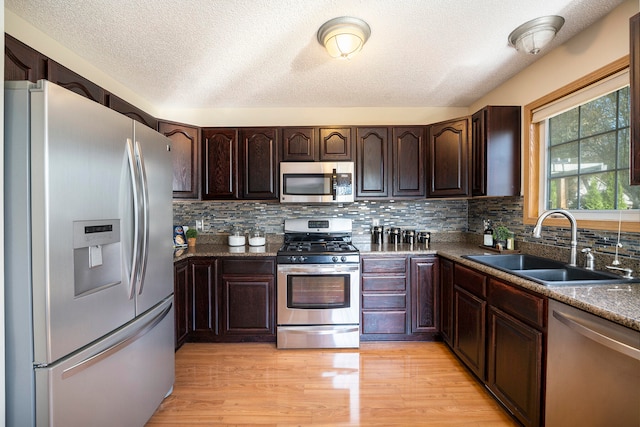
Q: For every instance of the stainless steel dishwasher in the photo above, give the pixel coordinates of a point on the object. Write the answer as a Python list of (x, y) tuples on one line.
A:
[(593, 370)]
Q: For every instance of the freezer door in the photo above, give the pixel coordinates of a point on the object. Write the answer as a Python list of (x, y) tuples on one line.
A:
[(78, 162), (119, 381), (156, 251)]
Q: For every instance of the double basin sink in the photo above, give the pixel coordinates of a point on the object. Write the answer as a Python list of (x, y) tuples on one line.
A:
[(548, 272)]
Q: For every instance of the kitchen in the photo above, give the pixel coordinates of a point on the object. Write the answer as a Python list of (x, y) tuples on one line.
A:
[(597, 47)]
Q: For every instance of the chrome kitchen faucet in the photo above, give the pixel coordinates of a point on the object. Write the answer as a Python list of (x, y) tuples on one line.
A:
[(574, 231)]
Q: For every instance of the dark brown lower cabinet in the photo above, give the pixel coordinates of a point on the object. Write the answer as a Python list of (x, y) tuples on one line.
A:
[(399, 298), (514, 373), (227, 299), (469, 327), (248, 300), (424, 295), (181, 301), (446, 300), (498, 332)]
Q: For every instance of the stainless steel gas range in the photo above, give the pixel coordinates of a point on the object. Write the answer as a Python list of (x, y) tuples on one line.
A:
[(318, 285)]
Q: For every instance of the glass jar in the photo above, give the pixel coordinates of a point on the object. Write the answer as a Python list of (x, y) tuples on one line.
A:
[(237, 237), (256, 237)]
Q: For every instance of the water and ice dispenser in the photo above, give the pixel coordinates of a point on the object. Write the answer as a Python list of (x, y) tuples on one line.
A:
[(96, 255)]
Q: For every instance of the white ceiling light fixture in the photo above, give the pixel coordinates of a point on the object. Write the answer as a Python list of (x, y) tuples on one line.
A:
[(531, 37), (343, 37)]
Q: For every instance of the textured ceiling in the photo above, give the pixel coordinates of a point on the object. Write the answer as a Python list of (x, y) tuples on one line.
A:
[(264, 53)]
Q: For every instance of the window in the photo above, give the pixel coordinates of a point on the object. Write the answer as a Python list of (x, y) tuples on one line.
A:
[(578, 146), (587, 156)]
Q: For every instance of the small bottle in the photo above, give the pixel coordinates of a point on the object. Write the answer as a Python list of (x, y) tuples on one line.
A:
[(488, 234)]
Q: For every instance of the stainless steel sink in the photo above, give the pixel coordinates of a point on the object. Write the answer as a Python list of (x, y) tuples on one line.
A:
[(548, 272)]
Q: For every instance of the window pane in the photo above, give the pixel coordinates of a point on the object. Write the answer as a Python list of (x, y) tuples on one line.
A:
[(623, 148), (563, 127), (598, 191), (598, 153), (624, 112), (599, 115), (629, 195), (563, 193), (564, 159)]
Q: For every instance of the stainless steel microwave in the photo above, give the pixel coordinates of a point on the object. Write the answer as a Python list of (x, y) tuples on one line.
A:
[(316, 182)]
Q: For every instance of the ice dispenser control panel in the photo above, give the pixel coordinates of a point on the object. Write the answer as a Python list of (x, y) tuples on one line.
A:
[(96, 255)]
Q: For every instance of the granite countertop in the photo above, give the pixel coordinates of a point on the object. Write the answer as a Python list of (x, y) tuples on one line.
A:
[(618, 303)]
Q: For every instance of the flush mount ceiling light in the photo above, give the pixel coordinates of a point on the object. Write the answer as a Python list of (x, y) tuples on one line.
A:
[(533, 36), (343, 37)]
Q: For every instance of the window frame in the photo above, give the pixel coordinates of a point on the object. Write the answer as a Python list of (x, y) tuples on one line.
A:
[(534, 166)]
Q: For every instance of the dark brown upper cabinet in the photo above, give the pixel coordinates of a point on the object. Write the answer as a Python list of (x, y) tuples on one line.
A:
[(448, 159), (634, 78), (372, 162), (259, 150), (74, 82), (408, 161), (299, 144), (184, 153), (495, 143), (219, 163), (22, 62), (335, 144), (123, 107)]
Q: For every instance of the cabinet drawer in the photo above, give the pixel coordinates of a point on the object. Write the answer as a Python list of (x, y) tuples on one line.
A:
[(384, 283), (384, 322), (520, 304), (384, 301), (471, 280), (248, 266), (384, 265)]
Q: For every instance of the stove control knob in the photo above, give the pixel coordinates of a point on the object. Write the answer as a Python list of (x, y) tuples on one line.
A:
[(302, 258), (343, 259), (293, 258), (334, 259)]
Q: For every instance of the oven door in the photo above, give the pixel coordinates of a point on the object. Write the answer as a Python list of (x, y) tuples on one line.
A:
[(318, 294)]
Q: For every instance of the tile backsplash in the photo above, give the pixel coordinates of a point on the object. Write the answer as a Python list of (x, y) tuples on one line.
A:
[(444, 218)]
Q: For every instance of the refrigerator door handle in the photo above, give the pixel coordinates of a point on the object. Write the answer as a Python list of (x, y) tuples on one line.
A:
[(131, 156), (144, 250), (101, 355)]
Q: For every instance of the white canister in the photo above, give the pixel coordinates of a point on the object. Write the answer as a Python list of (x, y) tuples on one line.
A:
[(237, 238)]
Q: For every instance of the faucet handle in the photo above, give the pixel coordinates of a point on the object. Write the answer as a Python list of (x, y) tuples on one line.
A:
[(589, 259)]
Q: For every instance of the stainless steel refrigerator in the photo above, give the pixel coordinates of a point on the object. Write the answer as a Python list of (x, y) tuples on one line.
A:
[(88, 264)]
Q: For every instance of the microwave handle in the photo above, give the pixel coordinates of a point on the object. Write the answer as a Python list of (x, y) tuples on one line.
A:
[(334, 184)]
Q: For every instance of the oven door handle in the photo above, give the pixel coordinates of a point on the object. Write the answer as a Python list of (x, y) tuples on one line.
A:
[(319, 268), (334, 184)]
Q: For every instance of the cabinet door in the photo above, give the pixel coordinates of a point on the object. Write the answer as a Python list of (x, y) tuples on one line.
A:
[(123, 107), (408, 162), (424, 295), (220, 163), (181, 301), (205, 297), (495, 147), (299, 145), (446, 300), (248, 299), (247, 306), (449, 159), (634, 89), (259, 163), (514, 362), (372, 162), (22, 62), (184, 156), (469, 330), (335, 144), (66, 78)]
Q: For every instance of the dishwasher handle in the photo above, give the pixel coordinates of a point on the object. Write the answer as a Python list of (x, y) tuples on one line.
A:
[(573, 323)]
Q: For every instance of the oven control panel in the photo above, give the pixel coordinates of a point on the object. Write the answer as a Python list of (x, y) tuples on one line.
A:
[(319, 259)]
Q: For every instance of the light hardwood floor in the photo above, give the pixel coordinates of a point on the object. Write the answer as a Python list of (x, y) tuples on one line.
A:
[(381, 384)]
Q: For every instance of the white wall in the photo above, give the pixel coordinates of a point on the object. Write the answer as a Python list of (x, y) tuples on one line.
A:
[(595, 47)]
